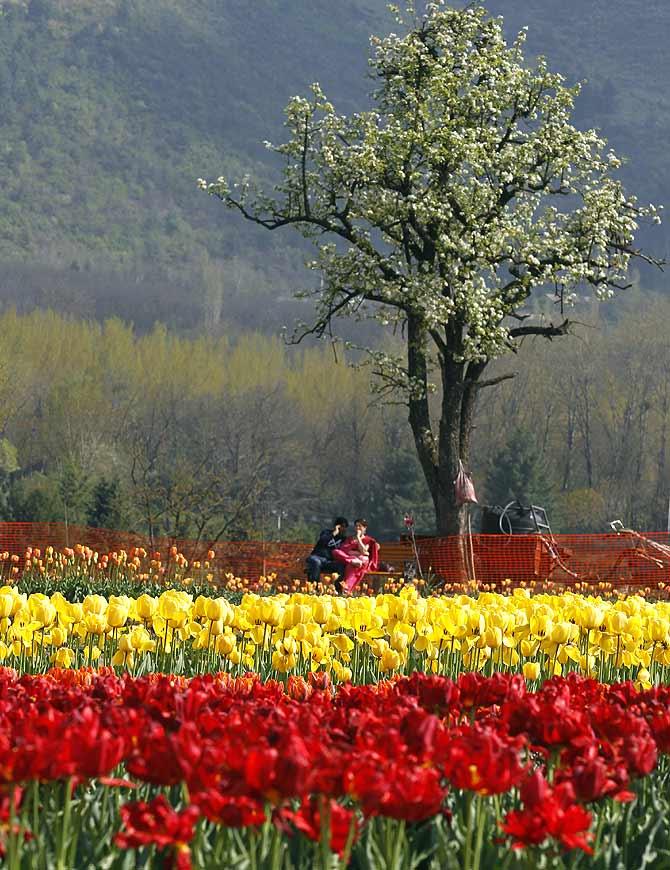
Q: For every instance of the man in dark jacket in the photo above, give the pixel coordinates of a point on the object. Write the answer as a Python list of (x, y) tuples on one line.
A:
[(321, 558)]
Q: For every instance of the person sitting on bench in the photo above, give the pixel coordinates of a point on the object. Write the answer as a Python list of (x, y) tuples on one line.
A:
[(321, 558), (358, 554)]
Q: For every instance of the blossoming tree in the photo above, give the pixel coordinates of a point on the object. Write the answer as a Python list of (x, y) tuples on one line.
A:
[(442, 210)]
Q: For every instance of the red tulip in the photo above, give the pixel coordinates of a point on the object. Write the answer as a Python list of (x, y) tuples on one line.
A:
[(308, 821), (157, 823)]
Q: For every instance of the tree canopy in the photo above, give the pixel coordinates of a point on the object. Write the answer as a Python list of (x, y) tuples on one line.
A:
[(445, 212)]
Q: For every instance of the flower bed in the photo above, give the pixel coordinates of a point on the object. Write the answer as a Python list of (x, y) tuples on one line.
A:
[(359, 639), (219, 771)]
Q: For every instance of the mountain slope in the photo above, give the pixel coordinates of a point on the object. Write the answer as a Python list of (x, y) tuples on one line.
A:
[(110, 109)]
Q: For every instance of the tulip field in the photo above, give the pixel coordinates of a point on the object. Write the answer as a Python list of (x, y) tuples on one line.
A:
[(170, 728), (359, 639)]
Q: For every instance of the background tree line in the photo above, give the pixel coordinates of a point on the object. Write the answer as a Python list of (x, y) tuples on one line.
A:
[(206, 438), (216, 436)]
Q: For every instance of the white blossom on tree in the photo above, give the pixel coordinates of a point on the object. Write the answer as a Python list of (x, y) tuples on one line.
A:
[(465, 191)]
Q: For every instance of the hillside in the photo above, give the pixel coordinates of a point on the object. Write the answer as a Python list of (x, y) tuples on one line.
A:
[(110, 109)]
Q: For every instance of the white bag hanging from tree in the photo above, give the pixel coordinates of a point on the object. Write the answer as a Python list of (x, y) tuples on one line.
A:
[(465, 488)]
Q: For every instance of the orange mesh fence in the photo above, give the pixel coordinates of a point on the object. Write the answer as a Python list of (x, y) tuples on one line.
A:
[(242, 558), (623, 560)]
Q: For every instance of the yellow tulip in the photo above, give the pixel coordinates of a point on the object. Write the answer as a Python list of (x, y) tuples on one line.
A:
[(643, 680), (342, 673), (117, 614), (146, 606), (6, 604), (126, 643), (397, 608), (271, 611), (200, 607), (202, 640), (590, 616), (122, 659), (283, 663), (492, 637), (287, 647), (378, 646), (541, 625), (342, 642), (475, 622), (174, 606), (58, 636), (44, 612), (399, 641), (219, 610), (529, 648), (658, 629), (225, 644), (323, 610), (216, 627), (531, 670), (141, 639), (63, 657), (95, 604), (616, 621), (390, 660), (75, 612), (95, 623), (662, 654), (560, 632)]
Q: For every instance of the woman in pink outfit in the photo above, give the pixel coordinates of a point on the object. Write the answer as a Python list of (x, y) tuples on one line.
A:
[(360, 554)]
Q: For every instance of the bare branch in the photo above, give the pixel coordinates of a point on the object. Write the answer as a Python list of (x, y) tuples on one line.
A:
[(549, 331), (492, 382)]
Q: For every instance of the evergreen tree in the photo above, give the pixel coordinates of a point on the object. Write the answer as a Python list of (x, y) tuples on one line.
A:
[(519, 471), (8, 467), (35, 498), (106, 510), (400, 489), (74, 490)]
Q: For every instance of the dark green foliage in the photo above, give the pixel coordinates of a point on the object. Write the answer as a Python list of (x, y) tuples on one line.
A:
[(8, 467), (106, 510), (74, 489), (400, 489), (34, 499), (519, 471)]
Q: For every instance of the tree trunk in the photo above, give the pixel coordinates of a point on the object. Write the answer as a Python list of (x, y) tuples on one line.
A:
[(660, 503), (454, 445), (569, 443), (440, 456)]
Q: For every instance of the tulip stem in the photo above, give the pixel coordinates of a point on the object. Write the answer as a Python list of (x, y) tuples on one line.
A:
[(599, 831), (480, 832), (395, 859), (350, 841), (62, 844), (12, 835), (324, 812), (468, 830), (276, 851), (35, 805), (253, 862)]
